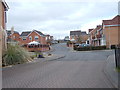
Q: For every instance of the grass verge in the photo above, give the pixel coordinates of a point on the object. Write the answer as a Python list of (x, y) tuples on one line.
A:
[(118, 69)]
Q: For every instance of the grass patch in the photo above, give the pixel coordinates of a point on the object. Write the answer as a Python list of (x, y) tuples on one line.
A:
[(118, 69)]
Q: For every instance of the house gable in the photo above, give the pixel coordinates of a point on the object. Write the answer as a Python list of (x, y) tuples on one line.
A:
[(114, 21), (34, 31)]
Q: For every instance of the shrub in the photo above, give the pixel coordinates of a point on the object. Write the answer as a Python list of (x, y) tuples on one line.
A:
[(118, 69), (68, 42), (113, 46), (98, 47), (15, 55), (87, 48), (75, 47)]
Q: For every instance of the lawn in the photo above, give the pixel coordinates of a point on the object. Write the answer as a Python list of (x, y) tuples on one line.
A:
[(118, 69)]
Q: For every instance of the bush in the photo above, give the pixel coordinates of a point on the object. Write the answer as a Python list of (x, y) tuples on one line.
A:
[(113, 46), (118, 69), (98, 47), (15, 55), (68, 42), (87, 48), (75, 47)]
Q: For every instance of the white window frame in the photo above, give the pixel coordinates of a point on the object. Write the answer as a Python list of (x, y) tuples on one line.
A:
[(36, 37), (30, 37), (24, 38)]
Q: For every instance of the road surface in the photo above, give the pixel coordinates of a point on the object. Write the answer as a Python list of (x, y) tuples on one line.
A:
[(77, 70)]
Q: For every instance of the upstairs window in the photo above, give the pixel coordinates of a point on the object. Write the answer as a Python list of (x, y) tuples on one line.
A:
[(47, 38), (30, 38), (72, 36), (5, 15), (23, 38), (14, 37), (36, 37)]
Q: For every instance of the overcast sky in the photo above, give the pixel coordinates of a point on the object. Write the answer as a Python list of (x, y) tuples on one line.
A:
[(58, 18)]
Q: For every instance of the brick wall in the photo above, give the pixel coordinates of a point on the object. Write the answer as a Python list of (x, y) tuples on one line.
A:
[(2, 26), (119, 36), (111, 35), (84, 38), (37, 49), (0, 34)]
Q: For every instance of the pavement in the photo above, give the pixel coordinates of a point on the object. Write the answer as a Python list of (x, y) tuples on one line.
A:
[(64, 69), (110, 71)]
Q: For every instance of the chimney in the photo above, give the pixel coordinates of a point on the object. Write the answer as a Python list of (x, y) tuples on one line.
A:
[(90, 30), (12, 30)]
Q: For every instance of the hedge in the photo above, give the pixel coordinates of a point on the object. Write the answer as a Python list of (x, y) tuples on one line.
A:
[(88, 48)]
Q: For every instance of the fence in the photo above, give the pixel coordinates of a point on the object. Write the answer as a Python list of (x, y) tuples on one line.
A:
[(117, 57)]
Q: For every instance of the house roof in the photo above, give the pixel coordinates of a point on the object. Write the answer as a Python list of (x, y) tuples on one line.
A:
[(83, 33), (5, 5), (29, 32), (93, 31), (89, 30), (47, 35), (25, 33), (39, 32), (9, 32), (75, 32), (114, 21)]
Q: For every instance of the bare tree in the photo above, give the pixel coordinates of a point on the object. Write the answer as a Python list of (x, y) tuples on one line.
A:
[(79, 39)]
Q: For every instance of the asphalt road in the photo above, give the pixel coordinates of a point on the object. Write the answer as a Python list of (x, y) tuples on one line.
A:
[(76, 70)]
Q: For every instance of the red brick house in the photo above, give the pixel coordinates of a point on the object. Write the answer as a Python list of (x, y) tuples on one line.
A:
[(34, 36), (95, 36), (111, 31), (106, 34), (75, 35), (15, 36), (3, 20), (29, 36), (49, 39)]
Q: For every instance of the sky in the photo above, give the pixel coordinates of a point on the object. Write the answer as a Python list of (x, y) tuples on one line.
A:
[(59, 17)]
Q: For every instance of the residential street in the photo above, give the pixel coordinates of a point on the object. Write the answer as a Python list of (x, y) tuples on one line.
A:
[(77, 70)]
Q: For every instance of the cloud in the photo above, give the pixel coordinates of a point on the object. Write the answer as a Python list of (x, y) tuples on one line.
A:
[(58, 18)]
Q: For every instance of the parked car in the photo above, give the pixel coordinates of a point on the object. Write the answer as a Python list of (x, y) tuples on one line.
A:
[(77, 44), (54, 42), (84, 45)]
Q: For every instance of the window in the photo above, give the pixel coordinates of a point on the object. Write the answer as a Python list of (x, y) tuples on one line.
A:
[(23, 38), (72, 36), (14, 37), (36, 37), (5, 17), (46, 38), (30, 38)]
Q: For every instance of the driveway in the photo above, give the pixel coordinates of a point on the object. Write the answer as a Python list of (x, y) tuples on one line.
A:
[(76, 70)]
